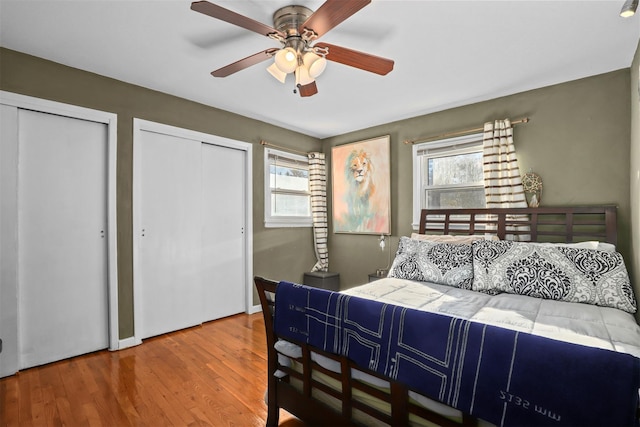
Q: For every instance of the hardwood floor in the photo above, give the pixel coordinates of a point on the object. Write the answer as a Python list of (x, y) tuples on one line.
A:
[(213, 375)]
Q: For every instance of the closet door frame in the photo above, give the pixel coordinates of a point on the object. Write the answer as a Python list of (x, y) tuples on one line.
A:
[(111, 121), (139, 126)]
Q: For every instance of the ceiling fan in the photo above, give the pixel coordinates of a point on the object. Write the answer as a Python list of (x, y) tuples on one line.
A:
[(297, 28)]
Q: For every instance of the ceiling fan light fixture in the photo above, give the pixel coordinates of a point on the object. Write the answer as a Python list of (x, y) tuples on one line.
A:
[(286, 60), (629, 8), (314, 63), (302, 76), (277, 73), (297, 28)]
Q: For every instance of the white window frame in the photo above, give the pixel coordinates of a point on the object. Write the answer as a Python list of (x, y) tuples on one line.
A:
[(282, 221), (444, 147)]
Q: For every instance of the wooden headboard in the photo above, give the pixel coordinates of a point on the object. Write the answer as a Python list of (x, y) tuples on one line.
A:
[(542, 224)]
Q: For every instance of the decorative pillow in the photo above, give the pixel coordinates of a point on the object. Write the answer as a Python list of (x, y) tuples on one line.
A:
[(441, 263), (446, 238), (553, 272)]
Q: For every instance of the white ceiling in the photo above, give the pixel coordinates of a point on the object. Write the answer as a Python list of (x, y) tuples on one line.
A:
[(446, 53)]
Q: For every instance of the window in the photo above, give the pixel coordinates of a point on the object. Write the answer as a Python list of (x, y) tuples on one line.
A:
[(448, 174), (287, 200)]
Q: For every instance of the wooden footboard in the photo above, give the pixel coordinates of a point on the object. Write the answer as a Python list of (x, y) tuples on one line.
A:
[(319, 396)]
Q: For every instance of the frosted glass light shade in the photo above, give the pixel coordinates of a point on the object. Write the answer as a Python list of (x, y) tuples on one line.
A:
[(275, 72), (314, 63), (302, 76), (629, 8), (286, 60)]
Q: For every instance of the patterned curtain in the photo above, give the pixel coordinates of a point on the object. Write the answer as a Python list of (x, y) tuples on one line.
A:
[(502, 181), (318, 188)]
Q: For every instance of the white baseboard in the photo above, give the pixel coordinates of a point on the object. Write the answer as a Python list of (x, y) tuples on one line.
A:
[(132, 342), (128, 342)]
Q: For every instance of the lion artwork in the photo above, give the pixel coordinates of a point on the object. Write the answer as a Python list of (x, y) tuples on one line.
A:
[(362, 189)]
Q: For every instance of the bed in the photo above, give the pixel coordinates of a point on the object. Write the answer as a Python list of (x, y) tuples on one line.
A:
[(457, 335)]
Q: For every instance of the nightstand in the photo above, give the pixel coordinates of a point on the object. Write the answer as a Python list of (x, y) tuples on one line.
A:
[(374, 276), (322, 279)]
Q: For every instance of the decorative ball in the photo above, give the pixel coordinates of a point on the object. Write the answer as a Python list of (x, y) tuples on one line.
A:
[(531, 182)]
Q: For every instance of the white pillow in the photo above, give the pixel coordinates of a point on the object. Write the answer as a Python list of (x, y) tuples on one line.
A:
[(591, 244), (607, 247), (446, 238), (579, 245)]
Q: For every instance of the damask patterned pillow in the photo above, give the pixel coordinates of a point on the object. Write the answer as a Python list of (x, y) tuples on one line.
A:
[(441, 263), (553, 272)]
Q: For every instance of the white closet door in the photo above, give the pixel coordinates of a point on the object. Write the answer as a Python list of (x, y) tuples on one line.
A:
[(9, 359), (62, 254), (169, 241), (223, 196)]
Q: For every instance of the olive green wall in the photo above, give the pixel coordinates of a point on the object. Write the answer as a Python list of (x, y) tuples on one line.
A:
[(578, 141), (634, 258), (278, 253)]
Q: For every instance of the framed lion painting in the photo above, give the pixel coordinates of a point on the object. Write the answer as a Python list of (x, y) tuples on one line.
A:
[(361, 181)]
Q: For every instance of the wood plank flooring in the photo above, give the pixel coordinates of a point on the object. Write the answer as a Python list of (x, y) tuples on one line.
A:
[(210, 375)]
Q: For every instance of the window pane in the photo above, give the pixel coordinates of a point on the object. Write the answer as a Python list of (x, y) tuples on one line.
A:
[(290, 205), (456, 198), (287, 195), (459, 169), (288, 178)]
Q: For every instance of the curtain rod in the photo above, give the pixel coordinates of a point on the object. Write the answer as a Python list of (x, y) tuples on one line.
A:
[(268, 144), (460, 132)]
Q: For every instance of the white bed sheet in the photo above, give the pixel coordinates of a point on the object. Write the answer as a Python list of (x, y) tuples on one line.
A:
[(584, 324)]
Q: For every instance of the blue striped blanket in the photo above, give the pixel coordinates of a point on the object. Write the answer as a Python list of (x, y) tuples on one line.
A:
[(506, 377)]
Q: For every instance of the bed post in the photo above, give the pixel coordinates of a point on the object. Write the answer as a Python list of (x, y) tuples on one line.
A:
[(611, 224), (501, 228)]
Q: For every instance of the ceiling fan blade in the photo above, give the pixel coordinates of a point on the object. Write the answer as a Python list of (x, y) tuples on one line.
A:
[(244, 63), (234, 18), (308, 90), (330, 14), (353, 58)]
